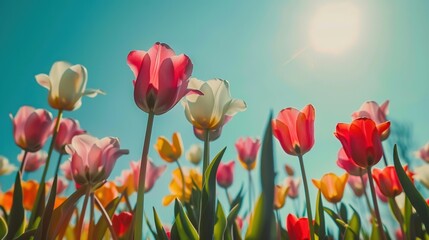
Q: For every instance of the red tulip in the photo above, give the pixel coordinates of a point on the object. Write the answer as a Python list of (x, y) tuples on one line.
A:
[(297, 228), (361, 140), (31, 128), (225, 174), (295, 130), (388, 182), (122, 222), (161, 78), (247, 151), (375, 112), (348, 164), (67, 130)]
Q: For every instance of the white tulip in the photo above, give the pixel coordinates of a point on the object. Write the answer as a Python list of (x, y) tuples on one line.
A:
[(194, 154), (5, 166)]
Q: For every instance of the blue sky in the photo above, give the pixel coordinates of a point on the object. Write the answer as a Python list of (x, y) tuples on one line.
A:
[(249, 43)]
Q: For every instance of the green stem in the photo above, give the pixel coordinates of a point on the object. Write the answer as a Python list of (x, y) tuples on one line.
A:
[(384, 158), (45, 170), (128, 203), (79, 227), (138, 219), (250, 192), (366, 194), (24, 158), (107, 218), (279, 223), (183, 179), (57, 169), (307, 197), (228, 197), (206, 160), (375, 203), (398, 215), (91, 216)]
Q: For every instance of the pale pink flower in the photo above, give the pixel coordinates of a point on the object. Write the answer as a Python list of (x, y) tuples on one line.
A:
[(31, 128), (377, 113), (152, 174), (356, 184), (93, 159), (423, 153), (67, 171), (67, 130), (33, 160), (293, 185), (62, 184), (247, 149)]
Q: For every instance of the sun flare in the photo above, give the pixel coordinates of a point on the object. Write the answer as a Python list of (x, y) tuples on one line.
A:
[(334, 28)]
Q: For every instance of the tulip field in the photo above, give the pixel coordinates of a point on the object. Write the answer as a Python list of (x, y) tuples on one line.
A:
[(183, 160)]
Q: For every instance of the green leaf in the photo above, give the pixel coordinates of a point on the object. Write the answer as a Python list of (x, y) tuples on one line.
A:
[(334, 217), (102, 225), (184, 226), (238, 200), (161, 235), (408, 209), (39, 206), (353, 227), (220, 223), (410, 190), (151, 230), (47, 213), (262, 221), (230, 222), (3, 228), (16, 216), (209, 198), (320, 218), (61, 215)]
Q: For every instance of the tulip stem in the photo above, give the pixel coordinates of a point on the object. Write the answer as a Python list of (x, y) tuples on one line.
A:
[(79, 227), (366, 194), (228, 197), (307, 197), (279, 224), (57, 169), (36, 209), (374, 201), (24, 160), (127, 202), (107, 218), (206, 160), (384, 157), (250, 192), (91, 216), (138, 219), (183, 178)]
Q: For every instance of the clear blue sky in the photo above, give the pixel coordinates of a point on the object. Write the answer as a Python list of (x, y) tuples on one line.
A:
[(249, 43)]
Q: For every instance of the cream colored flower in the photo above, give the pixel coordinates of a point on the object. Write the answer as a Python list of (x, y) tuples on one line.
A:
[(5, 166), (208, 111), (422, 174), (66, 85), (194, 154)]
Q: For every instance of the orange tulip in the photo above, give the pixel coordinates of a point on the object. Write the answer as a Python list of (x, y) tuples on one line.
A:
[(332, 186), (107, 193), (170, 152), (280, 194), (29, 192), (388, 182)]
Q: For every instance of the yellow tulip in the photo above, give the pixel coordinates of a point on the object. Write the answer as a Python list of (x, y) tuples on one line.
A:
[(170, 152), (106, 193), (280, 194), (332, 186), (192, 178)]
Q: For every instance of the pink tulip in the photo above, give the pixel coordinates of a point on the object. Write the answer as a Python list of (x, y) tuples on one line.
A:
[(62, 184), (423, 153), (31, 128), (93, 159), (247, 151), (225, 174), (346, 163), (152, 174), (295, 130), (161, 78), (375, 112), (293, 184), (33, 161), (67, 171), (355, 183), (67, 130)]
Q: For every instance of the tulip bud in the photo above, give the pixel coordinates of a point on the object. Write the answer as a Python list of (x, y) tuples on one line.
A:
[(225, 174), (194, 154)]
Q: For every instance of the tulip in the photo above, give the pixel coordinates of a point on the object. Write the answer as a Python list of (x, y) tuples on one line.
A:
[(356, 184), (62, 184), (361, 140), (170, 152), (422, 175), (289, 170), (161, 78), (5, 167), (194, 154), (423, 153), (192, 178), (388, 182), (297, 228), (31, 128), (67, 130), (346, 163), (247, 152), (293, 185), (29, 192), (295, 130), (122, 222), (380, 195), (106, 193), (6, 200), (214, 134), (152, 174), (375, 112), (67, 170), (66, 85), (208, 111), (33, 161), (58, 201), (225, 174), (280, 194), (332, 186), (92, 159)]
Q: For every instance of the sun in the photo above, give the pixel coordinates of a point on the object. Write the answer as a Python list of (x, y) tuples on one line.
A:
[(334, 28)]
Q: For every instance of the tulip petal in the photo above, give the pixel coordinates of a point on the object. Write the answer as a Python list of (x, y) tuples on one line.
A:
[(93, 92), (282, 133), (57, 70), (134, 60), (43, 80)]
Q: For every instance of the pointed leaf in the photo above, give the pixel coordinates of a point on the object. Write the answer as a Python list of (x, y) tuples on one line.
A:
[(3, 228), (102, 225), (161, 235), (230, 222), (151, 230), (220, 223), (47, 213), (410, 190), (320, 218), (184, 226), (353, 227), (16, 217)]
